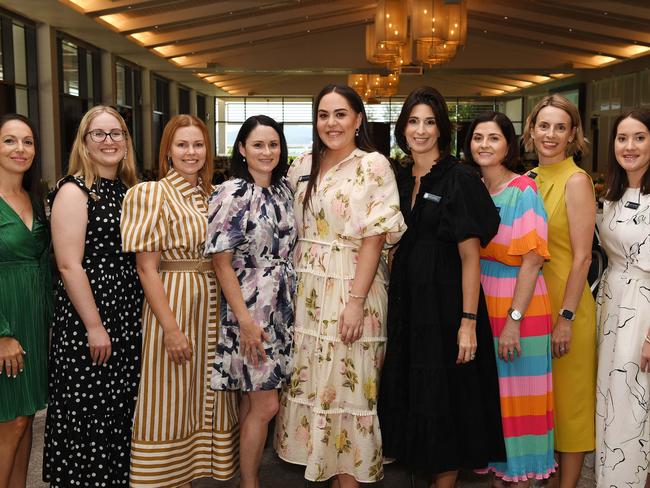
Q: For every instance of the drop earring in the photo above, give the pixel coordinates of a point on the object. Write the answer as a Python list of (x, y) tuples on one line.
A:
[(125, 154), (170, 163), (356, 132), (244, 158)]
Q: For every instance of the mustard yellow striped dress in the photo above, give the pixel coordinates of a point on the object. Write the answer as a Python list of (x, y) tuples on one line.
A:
[(182, 430)]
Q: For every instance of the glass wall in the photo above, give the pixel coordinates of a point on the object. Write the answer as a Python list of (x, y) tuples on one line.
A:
[(79, 87), (295, 114), (18, 75)]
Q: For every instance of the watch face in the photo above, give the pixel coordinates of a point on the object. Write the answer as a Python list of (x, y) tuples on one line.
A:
[(515, 314), (567, 314)]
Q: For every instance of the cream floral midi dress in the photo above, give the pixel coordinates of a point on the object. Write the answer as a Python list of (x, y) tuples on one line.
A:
[(328, 411)]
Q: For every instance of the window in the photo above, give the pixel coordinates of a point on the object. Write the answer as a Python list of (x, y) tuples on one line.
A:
[(295, 115), (160, 98), (18, 82), (183, 101), (201, 108), (128, 80), (79, 87)]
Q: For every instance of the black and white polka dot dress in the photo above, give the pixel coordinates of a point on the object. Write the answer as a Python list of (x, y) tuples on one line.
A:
[(90, 413)]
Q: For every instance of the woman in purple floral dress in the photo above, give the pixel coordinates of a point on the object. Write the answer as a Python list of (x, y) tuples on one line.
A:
[(251, 235)]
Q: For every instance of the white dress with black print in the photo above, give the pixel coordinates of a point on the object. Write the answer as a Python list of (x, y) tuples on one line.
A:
[(623, 390), (90, 413), (257, 225)]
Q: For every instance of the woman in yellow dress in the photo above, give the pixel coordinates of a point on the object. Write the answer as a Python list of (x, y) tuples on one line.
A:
[(182, 429), (554, 131)]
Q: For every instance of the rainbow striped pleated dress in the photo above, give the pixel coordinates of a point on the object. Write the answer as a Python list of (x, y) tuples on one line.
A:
[(525, 384)]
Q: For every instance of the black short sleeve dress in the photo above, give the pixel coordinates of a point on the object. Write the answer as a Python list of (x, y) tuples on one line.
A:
[(435, 415)]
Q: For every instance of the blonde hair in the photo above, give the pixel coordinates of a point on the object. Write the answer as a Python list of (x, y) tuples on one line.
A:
[(80, 162), (175, 123), (577, 144)]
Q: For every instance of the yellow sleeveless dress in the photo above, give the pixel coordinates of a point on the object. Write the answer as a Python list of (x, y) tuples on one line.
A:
[(574, 375)]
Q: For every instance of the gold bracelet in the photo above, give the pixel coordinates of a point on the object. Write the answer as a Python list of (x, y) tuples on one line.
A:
[(360, 297)]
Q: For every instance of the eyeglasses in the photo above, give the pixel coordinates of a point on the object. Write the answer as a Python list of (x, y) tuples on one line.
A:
[(100, 136)]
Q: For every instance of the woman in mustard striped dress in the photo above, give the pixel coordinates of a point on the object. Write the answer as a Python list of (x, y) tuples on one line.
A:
[(182, 430)]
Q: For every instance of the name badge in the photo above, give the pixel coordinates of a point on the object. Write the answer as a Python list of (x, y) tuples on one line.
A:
[(431, 197), (632, 205), (303, 178), (532, 174)]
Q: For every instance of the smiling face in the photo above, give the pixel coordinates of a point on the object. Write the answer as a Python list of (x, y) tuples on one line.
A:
[(551, 134), (188, 152), (421, 131), (108, 154), (262, 150), (489, 146), (337, 122), (632, 149), (17, 147)]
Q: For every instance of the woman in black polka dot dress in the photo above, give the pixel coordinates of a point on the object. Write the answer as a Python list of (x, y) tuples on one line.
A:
[(96, 340)]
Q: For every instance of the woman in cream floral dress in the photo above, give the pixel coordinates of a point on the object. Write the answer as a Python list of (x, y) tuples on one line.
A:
[(347, 209)]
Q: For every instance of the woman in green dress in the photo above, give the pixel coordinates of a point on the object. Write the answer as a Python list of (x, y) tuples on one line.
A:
[(25, 297)]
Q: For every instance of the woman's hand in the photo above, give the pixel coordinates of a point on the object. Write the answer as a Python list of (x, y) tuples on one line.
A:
[(466, 341), (99, 344), (251, 336), (177, 346), (11, 356), (351, 321), (561, 337), (644, 364), (509, 343)]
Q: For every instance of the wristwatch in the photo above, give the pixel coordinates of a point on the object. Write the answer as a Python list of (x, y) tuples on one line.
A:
[(567, 314), (515, 314)]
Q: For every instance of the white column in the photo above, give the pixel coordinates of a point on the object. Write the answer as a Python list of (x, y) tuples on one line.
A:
[(173, 98), (48, 102)]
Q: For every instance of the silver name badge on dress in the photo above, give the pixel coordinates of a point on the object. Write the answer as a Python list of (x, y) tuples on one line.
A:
[(303, 178), (532, 174), (632, 205), (431, 197)]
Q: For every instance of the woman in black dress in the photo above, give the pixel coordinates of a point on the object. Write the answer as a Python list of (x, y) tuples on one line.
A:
[(439, 396), (95, 356)]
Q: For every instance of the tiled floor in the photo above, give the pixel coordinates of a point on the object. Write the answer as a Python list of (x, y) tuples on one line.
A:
[(278, 474)]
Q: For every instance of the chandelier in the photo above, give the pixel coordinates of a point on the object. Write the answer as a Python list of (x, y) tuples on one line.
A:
[(406, 32)]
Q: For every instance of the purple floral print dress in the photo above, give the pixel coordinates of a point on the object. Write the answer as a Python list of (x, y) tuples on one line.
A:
[(257, 225)]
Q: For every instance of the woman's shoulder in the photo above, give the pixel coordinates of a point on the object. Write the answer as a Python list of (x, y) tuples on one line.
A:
[(523, 183)]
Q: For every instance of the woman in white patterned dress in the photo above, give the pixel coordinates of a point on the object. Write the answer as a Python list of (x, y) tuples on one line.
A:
[(182, 430), (347, 210), (623, 387)]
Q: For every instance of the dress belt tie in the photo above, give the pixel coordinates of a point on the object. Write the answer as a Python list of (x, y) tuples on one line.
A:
[(186, 265)]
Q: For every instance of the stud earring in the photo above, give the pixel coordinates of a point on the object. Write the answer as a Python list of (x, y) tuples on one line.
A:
[(356, 132), (244, 158)]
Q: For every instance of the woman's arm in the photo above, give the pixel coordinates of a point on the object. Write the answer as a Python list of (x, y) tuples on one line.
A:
[(581, 212), (251, 334), (69, 219), (176, 344), (509, 339), (471, 278), (351, 319)]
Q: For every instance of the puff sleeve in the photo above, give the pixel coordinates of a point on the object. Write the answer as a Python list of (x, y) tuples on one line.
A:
[(529, 222), (228, 216), (470, 209), (373, 201), (142, 224)]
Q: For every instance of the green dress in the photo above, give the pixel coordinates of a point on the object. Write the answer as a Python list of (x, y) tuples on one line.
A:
[(25, 308)]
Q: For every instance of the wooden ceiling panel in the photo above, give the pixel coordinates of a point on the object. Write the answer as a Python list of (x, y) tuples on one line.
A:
[(289, 47)]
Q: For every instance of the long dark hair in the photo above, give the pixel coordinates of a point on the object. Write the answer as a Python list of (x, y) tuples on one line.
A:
[(32, 177), (425, 95), (362, 141), (617, 181), (238, 166), (507, 129)]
